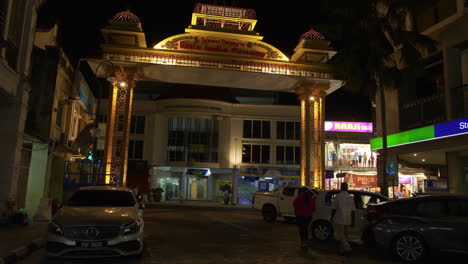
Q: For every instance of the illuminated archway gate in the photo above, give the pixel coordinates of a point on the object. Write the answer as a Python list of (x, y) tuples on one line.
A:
[(206, 57)]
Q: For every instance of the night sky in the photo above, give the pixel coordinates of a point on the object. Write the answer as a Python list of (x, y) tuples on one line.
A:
[(280, 22)]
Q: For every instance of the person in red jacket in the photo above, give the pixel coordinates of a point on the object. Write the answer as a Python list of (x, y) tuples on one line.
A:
[(304, 207)]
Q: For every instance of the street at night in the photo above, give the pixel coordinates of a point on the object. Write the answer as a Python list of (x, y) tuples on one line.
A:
[(209, 234), (203, 132)]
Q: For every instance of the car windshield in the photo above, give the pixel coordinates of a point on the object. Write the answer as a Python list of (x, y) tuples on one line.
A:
[(108, 198)]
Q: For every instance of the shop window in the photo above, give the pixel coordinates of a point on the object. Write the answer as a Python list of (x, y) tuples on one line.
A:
[(288, 130), (256, 129), (252, 153), (288, 154), (352, 155), (137, 125), (192, 140), (135, 149)]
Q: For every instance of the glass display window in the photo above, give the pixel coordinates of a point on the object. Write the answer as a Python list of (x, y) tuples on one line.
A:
[(197, 187), (171, 189), (354, 155)]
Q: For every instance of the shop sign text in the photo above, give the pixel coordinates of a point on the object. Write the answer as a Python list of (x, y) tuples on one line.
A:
[(339, 126)]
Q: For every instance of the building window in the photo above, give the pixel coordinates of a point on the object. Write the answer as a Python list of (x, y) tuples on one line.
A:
[(288, 130), (256, 129), (192, 140), (3, 16), (14, 32), (252, 153), (137, 125), (135, 149), (59, 117), (288, 154)]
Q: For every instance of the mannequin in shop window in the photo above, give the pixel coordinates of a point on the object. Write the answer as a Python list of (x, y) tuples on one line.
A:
[(356, 159), (364, 159), (333, 158), (371, 160)]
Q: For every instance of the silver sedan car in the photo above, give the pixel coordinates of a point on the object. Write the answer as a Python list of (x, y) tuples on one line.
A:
[(99, 221)]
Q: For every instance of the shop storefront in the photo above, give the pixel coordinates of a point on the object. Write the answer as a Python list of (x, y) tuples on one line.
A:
[(349, 155), (193, 184), (351, 161), (263, 179)]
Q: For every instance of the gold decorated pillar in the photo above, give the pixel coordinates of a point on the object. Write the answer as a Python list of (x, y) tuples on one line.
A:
[(318, 131), (118, 127), (305, 94), (312, 101)]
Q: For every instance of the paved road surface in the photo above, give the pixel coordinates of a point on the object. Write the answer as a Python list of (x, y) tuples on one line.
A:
[(197, 234)]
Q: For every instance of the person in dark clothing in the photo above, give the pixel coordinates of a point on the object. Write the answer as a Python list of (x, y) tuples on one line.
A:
[(304, 207)]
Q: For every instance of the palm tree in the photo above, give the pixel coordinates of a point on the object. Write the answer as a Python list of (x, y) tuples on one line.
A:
[(375, 49)]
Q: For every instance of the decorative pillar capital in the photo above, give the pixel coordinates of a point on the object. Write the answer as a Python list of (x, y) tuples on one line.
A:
[(308, 90)]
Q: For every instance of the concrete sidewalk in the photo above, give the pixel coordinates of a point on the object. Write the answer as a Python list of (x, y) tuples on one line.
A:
[(18, 241)]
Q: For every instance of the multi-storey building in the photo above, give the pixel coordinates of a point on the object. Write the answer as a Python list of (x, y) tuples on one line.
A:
[(194, 144), (17, 27), (427, 118), (61, 106)]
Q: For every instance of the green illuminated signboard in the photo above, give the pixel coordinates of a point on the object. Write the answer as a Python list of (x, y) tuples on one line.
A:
[(405, 137)]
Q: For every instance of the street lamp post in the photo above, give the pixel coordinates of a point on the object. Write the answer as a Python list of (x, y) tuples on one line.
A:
[(112, 79)]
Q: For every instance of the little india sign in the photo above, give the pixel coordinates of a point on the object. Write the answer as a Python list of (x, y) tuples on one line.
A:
[(196, 43)]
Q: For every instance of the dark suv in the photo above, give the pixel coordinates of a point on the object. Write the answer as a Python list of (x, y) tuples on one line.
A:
[(412, 227)]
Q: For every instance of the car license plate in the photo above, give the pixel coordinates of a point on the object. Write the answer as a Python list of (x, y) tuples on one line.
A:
[(90, 244)]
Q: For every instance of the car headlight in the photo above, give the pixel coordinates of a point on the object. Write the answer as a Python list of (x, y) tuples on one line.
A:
[(131, 228), (55, 228)]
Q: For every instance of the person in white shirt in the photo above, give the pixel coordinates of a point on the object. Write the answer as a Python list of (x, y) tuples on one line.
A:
[(343, 210)]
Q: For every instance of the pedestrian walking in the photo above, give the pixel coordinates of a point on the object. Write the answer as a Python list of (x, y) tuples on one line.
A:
[(304, 208), (343, 211)]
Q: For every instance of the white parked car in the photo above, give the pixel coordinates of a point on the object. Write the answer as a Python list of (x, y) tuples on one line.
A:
[(321, 227), (98, 221), (278, 202)]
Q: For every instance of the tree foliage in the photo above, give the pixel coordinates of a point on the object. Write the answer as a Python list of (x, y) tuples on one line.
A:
[(373, 41)]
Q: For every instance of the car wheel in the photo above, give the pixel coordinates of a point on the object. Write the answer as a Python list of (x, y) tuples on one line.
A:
[(409, 247), (322, 230), (269, 213)]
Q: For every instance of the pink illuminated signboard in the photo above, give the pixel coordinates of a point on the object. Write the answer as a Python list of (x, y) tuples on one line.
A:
[(339, 126)]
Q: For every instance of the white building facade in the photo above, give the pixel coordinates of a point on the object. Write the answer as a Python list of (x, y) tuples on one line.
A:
[(196, 146)]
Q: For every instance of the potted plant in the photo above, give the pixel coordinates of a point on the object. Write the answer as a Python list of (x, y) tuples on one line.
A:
[(157, 193)]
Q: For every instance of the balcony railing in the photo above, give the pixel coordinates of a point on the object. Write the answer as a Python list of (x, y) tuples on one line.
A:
[(423, 112), (459, 100)]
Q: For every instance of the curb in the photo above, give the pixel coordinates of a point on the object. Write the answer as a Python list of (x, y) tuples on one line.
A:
[(23, 251)]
